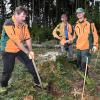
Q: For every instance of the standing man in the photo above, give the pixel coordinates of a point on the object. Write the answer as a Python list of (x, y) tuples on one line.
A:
[(83, 30), (15, 34), (63, 33)]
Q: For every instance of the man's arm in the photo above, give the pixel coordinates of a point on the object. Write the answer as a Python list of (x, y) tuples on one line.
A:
[(95, 35), (28, 40), (22, 47), (55, 35), (95, 38), (29, 44)]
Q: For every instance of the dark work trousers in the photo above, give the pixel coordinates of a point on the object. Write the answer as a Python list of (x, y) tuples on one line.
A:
[(9, 61), (69, 50), (81, 58)]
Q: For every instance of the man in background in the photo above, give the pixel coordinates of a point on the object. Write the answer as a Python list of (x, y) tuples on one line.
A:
[(63, 32)]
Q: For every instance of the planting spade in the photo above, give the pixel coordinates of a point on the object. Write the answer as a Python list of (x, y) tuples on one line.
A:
[(37, 73)]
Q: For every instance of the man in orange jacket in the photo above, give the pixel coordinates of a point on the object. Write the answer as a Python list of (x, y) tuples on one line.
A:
[(17, 33), (63, 32), (83, 29)]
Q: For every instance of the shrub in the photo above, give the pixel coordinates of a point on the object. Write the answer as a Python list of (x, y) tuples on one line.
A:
[(41, 34)]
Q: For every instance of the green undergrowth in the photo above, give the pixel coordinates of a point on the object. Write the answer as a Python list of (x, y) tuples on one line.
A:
[(61, 81)]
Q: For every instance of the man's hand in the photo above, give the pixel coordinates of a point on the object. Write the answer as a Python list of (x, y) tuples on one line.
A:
[(64, 41), (31, 55), (59, 38)]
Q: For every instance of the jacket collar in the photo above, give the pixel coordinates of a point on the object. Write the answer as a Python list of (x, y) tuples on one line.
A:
[(82, 21)]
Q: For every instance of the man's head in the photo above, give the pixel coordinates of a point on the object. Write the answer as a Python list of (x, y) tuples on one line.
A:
[(80, 13), (20, 14), (64, 17)]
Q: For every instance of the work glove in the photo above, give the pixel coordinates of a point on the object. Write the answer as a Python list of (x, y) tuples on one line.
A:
[(94, 49), (31, 55)]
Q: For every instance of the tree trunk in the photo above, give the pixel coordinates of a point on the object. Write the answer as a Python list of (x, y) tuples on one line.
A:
[(18, 2), (32, 8)]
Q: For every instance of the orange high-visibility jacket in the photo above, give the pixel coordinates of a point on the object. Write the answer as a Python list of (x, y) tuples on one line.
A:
[(16, 34), (60, 29), (82, 32)]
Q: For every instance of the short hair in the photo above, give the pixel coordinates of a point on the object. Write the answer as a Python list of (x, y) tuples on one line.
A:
[(65, 13), (21, 9)]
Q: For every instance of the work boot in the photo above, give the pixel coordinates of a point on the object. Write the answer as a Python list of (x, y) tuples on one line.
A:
[(3, 90)]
